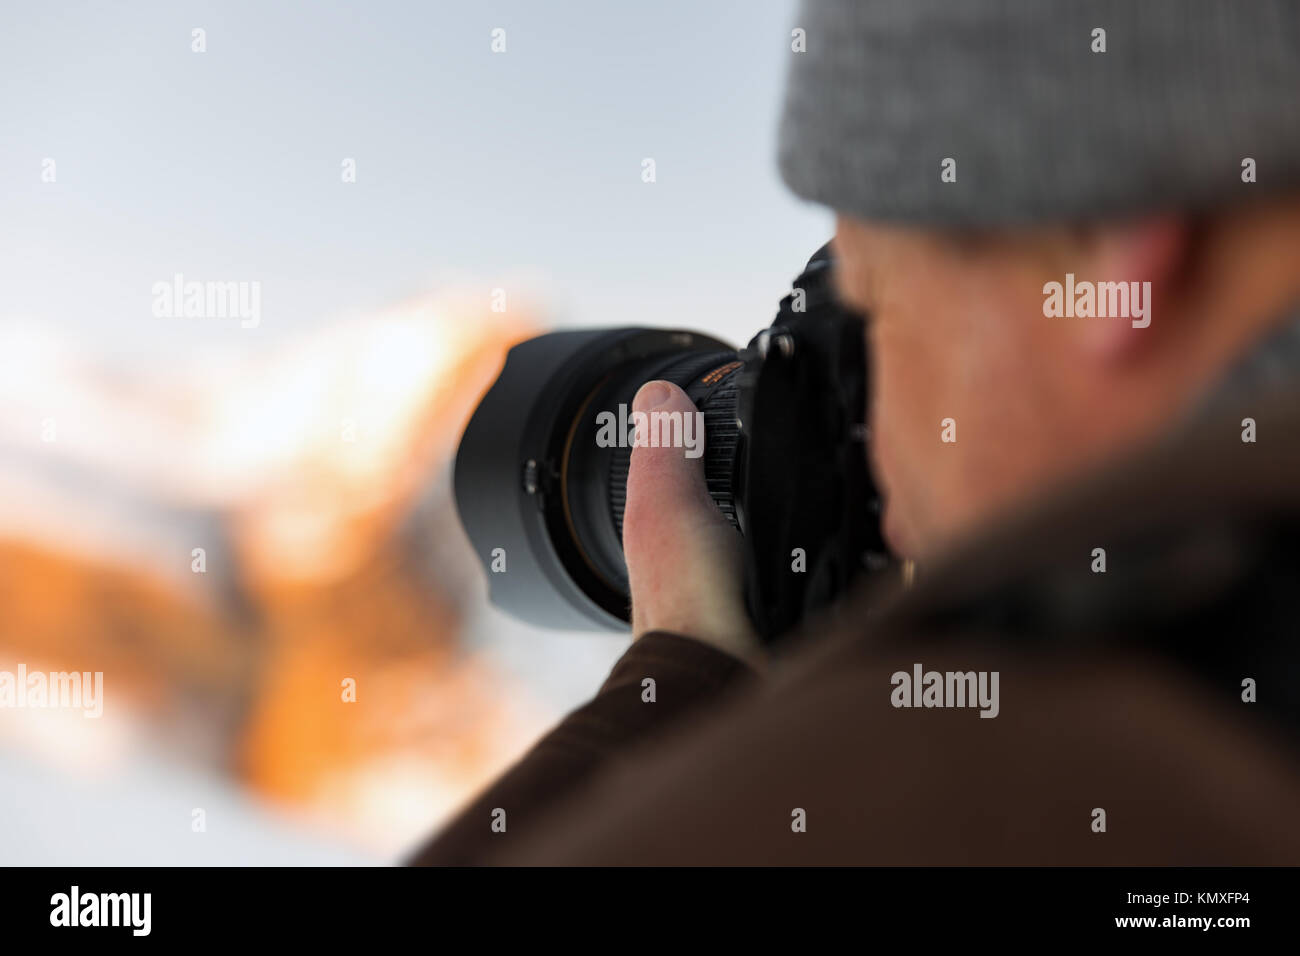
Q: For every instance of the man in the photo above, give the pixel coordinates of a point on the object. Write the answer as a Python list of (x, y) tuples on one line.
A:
[(1075, 232)]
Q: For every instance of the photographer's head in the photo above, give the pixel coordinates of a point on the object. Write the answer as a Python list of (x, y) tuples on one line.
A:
[(1063, 237)]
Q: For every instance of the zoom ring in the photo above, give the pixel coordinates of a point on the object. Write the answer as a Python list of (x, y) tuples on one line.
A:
[(710, 382)]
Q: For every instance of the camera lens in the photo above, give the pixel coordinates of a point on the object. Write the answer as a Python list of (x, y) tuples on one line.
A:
[(596, 485), (542, 499)]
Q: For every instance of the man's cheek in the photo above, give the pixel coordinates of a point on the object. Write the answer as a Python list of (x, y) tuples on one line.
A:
[(906, 434), (892, 453), (895, 478)]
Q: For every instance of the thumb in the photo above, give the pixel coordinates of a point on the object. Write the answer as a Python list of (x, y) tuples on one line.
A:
[(684, 559)]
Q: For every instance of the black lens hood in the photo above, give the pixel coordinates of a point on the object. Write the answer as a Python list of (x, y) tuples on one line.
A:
[(509, 472)]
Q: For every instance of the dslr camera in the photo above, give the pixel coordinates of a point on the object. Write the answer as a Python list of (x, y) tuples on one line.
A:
[(541, 472)]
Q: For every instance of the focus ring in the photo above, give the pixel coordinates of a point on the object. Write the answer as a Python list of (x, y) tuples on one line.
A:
[(710, 382)]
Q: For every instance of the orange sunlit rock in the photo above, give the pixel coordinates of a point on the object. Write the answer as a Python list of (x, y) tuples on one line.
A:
[(315, 472)]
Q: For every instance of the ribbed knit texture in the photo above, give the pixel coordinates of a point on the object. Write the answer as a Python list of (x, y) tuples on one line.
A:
[(1041, 127)]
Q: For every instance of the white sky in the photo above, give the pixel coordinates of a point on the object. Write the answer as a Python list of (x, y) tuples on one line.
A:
[(493, 168)]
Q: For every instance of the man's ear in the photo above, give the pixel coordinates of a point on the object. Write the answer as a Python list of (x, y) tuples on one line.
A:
[(1149, 257)]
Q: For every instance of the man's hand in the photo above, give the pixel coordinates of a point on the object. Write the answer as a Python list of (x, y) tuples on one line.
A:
[(684, 559)]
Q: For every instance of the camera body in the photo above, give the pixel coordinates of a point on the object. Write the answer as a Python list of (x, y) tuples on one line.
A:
[(541, 496)]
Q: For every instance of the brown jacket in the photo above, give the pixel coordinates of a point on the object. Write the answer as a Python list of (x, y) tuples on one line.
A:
[(1119, 691)]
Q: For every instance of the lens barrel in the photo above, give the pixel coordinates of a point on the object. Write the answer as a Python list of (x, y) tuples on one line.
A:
[(709, 380), (542, 499)]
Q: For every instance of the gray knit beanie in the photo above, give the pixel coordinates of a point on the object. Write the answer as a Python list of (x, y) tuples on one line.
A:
[(986, 112)]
